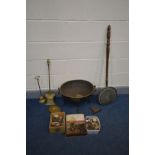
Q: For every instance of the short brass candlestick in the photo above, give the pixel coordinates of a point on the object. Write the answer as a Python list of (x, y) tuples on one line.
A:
[(42, 98)]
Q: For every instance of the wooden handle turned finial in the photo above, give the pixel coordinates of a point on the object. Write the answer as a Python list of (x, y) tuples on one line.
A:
[(107, 52)]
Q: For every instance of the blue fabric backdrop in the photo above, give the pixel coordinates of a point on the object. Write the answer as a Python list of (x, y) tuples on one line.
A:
[(112, 140)]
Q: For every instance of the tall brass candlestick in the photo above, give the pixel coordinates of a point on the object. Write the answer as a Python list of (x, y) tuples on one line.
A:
[(50, 95)]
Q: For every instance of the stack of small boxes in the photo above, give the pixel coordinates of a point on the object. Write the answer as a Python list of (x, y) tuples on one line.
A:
[(58, 123)]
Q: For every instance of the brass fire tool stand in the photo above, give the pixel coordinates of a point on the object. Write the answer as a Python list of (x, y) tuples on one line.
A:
[(42, 98), (50, 95)]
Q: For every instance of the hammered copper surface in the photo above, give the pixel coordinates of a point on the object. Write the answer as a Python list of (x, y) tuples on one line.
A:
[(77, 89)]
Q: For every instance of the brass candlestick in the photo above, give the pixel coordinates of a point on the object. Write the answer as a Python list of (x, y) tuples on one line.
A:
[(50, 95), (42, 99)]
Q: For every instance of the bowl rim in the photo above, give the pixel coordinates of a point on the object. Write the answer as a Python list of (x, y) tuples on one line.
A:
[(93, 87)]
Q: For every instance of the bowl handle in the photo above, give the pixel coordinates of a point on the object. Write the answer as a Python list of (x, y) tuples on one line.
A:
[(94, 88), (58, 92)]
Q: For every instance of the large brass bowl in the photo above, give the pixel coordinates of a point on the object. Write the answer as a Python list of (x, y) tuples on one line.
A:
[(76, 90)]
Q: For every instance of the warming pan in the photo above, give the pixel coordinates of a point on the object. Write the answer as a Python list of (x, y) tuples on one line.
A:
[(76, 90)]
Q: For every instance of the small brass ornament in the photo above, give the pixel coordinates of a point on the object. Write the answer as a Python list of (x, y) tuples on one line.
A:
[(54, 108)]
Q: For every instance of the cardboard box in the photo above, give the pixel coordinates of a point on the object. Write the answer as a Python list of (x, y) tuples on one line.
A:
[(75, 125), (57, 122), (93, 125)]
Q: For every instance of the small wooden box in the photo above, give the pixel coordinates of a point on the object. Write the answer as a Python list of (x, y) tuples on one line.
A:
[(57, 122)]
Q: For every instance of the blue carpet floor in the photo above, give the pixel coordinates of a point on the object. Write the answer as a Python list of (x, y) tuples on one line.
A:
[(112, 140)]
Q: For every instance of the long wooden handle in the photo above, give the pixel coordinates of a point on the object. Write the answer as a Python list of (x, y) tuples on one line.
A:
[(108, 52)]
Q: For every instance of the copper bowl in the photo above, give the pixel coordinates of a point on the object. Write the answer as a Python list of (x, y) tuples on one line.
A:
[(76, 90)]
